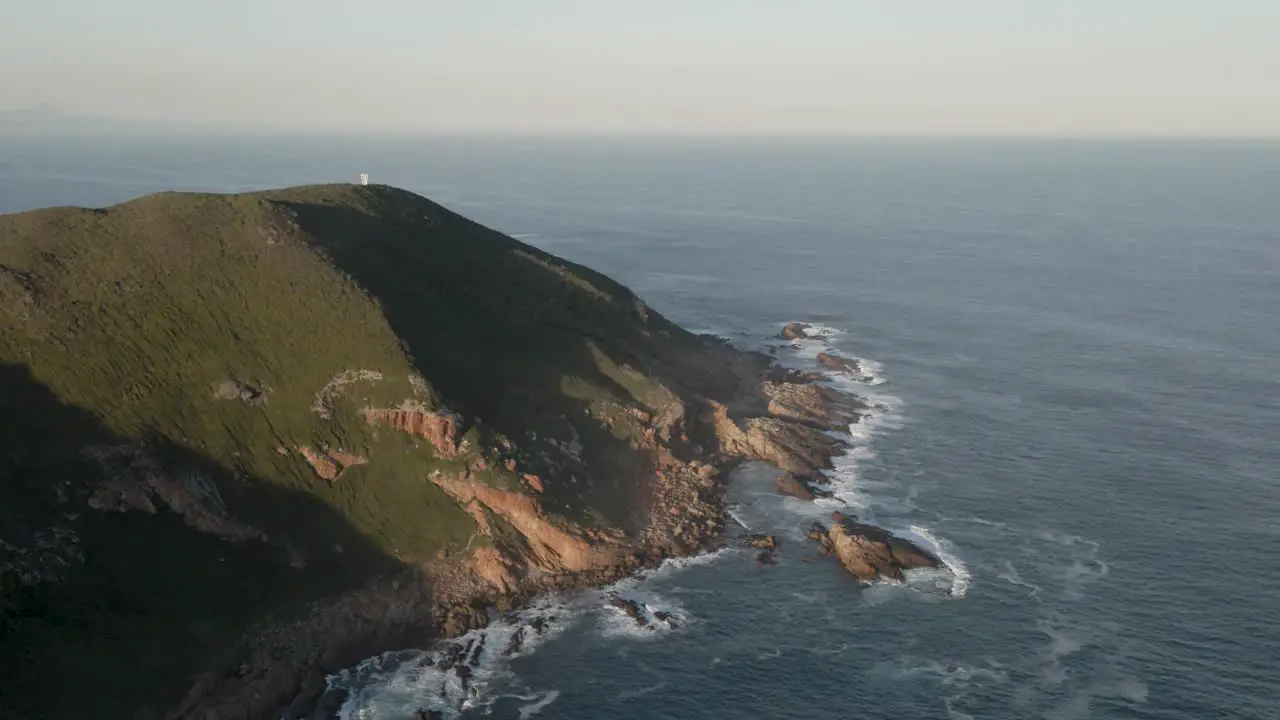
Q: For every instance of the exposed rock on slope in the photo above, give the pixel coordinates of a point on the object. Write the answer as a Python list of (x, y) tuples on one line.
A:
[(440, 429)]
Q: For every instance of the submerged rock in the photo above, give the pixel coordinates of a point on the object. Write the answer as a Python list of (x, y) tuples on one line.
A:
[(869, 552), (766, 558), (631, 608), (824, 494)]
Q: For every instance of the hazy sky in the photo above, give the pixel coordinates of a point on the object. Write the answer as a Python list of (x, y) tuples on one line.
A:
[(830, 66)]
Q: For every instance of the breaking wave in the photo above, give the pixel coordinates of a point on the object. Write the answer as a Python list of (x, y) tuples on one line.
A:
[(471, 671)]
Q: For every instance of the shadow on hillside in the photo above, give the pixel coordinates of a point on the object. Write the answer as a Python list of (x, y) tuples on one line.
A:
[(143, 600), (493, 324)]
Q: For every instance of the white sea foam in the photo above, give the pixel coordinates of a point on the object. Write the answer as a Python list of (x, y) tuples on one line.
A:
[(852, 493), (642, 589), (533, 708), (662, 616), (671, 566), (960, 576), (394, 685), (818, 330), (738, 518)]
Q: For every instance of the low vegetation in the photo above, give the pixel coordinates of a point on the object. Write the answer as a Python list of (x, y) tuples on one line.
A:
[(163, 364)]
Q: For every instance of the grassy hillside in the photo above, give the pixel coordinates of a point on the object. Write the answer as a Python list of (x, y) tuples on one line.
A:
[(167, 364)]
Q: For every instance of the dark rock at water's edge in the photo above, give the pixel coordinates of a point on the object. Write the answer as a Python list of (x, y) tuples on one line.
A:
[(635, 611), (797, 487), (793, 485), (516, 643), (781, 374), (868, 552), (835, 363), (822, 494), (795, 331), (766, 558), (666, 617), (631, 609)]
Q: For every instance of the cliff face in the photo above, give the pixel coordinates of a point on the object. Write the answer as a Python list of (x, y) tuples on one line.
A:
[(249, 439)]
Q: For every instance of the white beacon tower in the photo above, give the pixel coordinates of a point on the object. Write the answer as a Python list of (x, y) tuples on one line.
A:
[(364, 178)]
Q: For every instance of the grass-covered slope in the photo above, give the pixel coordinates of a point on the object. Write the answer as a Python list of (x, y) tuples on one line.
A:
[(168, 365)]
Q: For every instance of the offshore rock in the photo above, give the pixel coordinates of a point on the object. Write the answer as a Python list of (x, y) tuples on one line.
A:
[(839, 364), (868, 552), (795, 331)]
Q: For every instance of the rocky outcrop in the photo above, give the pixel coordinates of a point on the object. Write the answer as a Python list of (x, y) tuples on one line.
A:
[(781, 374), (636, 611), (870, 553), (761, 541), (329, 464), (811, 404), (549, 547), (630, 608), (795, 331), (441, 429), (791, 484), (835, 363), (791, 445), (235, 390)]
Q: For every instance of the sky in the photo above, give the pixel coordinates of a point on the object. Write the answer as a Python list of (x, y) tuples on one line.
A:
[(964, 67)]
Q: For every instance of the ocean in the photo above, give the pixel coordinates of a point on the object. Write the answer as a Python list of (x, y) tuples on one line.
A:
[(1076, 350)]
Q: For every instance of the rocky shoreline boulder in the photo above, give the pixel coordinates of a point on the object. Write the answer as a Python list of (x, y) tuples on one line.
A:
[(835, 363), (793, 485), (795, 331), (868, 552)]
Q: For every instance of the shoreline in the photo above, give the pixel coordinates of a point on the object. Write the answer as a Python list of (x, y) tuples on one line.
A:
[(780, 416)]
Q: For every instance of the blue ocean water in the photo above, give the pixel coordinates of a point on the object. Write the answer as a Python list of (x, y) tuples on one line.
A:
[(1078, 346)]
